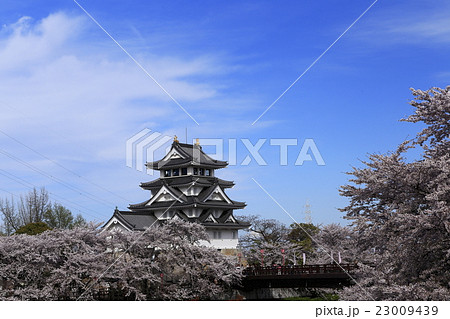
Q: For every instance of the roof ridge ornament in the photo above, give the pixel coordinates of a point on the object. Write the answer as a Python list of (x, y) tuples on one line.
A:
[(175, 139), (197, 142)]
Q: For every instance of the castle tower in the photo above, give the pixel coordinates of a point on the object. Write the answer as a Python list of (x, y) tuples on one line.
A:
[(187, 189)]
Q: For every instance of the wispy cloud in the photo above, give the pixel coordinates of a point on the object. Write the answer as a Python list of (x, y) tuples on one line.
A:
[(396, 24), (433, 28), (65, 95), (26, 43), (63, 82)]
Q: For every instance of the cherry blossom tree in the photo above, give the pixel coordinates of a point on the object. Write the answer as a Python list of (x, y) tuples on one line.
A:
[(400, 211), (165, 262), (268, 242), (333, 244)]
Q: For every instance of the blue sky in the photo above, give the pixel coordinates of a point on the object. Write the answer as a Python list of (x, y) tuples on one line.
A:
[(72, 97)]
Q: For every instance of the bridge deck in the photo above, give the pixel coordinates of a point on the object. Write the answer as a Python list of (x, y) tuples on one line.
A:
[(319, 276)]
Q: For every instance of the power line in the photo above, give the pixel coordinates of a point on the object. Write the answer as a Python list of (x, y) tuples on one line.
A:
[(48, 128), (60, 165), (32, 186), (4, 190), (59, 181)]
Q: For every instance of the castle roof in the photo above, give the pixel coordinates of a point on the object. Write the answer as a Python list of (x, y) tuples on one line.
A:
[(142, 221), (186, 181), (133, 220), (191, 201), (182, 155)]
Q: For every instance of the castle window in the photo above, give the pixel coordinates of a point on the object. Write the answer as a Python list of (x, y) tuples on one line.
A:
[(202, 171), (176, 172), (184, 171), (208, 172), (217, 235), (195, 171), (167, 173)]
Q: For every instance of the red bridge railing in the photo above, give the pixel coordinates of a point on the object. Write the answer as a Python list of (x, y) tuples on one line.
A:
[(298, 270)]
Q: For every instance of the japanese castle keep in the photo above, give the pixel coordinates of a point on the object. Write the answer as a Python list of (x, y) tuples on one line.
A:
[(187, 189)]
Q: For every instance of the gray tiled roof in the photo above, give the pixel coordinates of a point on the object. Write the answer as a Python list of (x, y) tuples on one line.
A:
[(187, 180), (135, 221), (221, 221), (191, 201), (187, 150), (139, 221)]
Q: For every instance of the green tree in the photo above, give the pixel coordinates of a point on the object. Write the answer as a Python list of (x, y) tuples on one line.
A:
[(29, 208), (35, 207), (301, 234), (58, 217), (33, 228)]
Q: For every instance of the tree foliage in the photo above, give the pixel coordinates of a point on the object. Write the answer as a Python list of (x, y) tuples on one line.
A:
[(164, 263), (30, 208), (333, 244), (263, 241), (33, 228), (302, 234), (58, 217), (267, 230), (35, 207), (400, 211), (269, 242)]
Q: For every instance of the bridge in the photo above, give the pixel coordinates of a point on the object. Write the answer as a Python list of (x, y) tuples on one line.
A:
[(307, 276)]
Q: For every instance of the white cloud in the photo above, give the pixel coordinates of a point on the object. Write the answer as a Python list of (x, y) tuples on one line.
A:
[(63, 83), (398, 24), (435, 29), (70, 99), (28, 43), (77, 101)]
